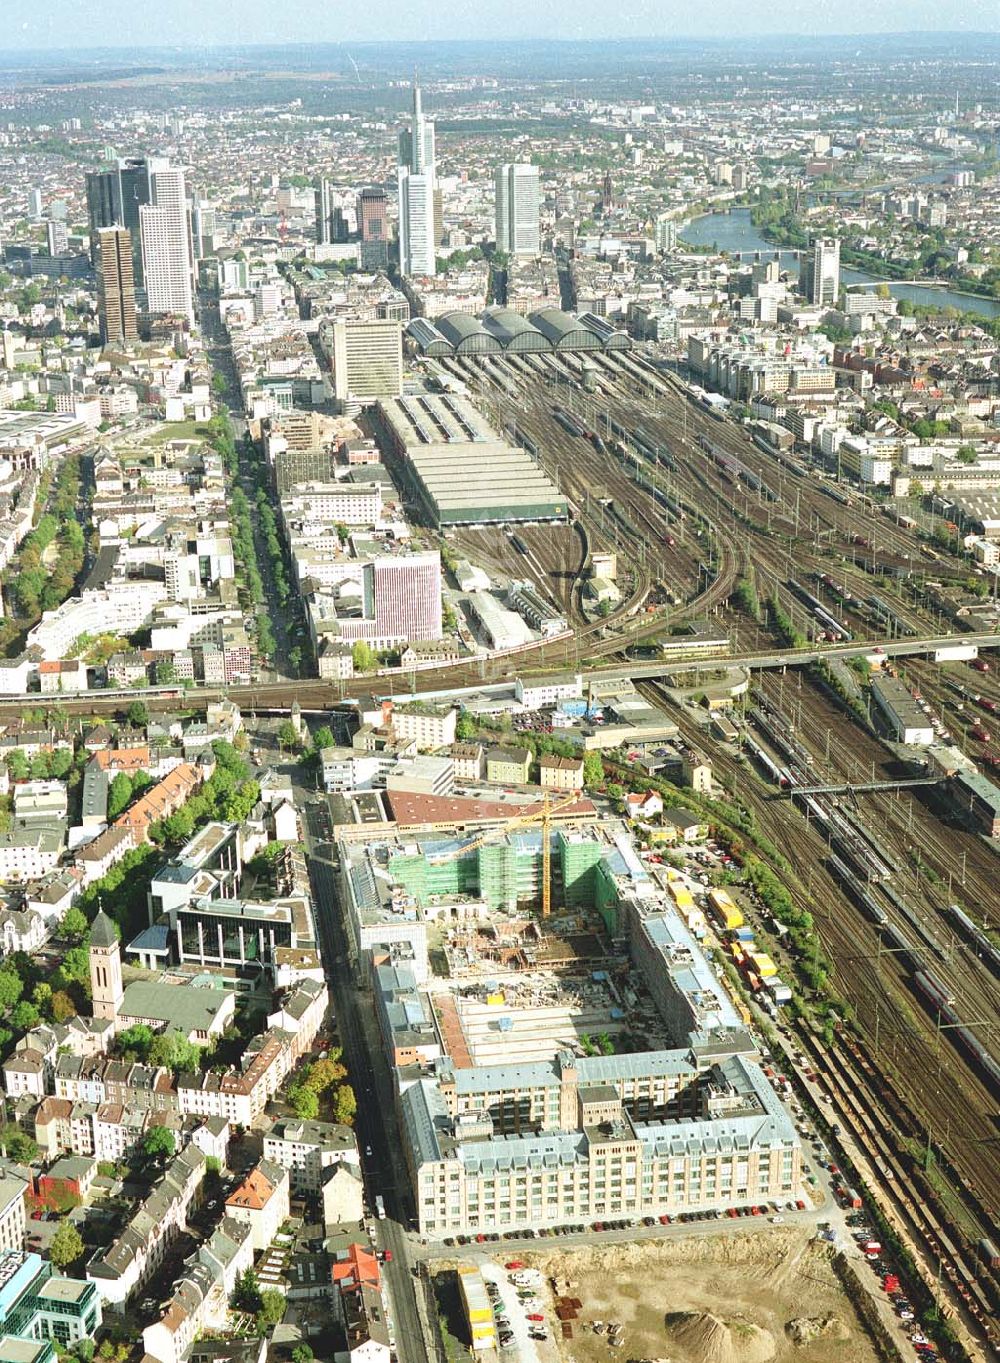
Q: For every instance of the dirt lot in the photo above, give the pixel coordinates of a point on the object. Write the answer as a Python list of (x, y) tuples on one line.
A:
[(717, 1299)]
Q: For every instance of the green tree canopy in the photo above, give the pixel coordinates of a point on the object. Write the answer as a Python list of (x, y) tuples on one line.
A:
[(67, 1244)]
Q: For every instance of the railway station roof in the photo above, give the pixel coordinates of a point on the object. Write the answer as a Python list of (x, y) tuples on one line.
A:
[(467, 334), (428, 338), (564, 331), (514, 332), (610, 337)]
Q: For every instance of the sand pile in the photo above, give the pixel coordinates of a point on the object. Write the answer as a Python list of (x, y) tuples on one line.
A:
[(804, 1329), (700, 1337)]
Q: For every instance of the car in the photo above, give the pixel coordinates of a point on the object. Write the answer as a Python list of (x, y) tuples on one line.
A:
[(387, 1256), (535, 1315), (664, 1220), (368, 1150), (514, 1265), (777, 1220), (731, 1211)]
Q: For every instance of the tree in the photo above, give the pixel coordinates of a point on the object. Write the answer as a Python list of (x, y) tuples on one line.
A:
[(288, 736), (76, 966), (304, 1102), (302, 1353), (159, 1143), (323, 1074), (323, 738), (24, 1016), (137, 714), (119, 795), (17, 765), (20, 1147), (41, 996), (246, 1292), (66, 1246), (363, 657), (271, 1311), (593, 769), (74, 925), (966, 454), (135, 1041), (63, 1007), (465, 727), (345, 1105), (11, 989)]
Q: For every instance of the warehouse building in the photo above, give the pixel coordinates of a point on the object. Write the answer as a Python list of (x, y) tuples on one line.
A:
[(977, 801), (460, 469), (907, 722)]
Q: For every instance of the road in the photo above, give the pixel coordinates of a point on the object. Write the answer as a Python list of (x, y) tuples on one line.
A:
[(378, 1137)]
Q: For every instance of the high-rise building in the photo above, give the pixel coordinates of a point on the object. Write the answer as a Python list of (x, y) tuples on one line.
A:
[(517, 197), (34, 204), (324, 213), (203, 228), (403, 594), (821, 272), (372, 228), (367, 358), (114, 197), (56, 238), (117, 287), (416, 183), (166, 243), (665, 233)]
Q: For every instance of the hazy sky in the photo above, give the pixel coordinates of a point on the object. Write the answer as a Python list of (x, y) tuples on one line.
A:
[(75, 24)]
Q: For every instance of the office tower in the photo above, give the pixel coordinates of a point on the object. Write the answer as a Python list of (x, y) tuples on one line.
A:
[(324, 213), (117, 287), (415, 181), (367, 358), (166, 243), (665, 233), (114, 197), (403, 594), (203, 228), (35, 204), (56, 238), (517, 209), (372, 229), (821, 272)]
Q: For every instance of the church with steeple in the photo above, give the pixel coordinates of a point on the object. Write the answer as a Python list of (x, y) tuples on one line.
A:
[(106, 986)]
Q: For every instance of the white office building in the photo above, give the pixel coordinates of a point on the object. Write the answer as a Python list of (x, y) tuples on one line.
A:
[(416, 179), (517, 199), (166, 243)]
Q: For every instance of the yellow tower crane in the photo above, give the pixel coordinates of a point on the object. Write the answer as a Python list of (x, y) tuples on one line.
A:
[(542, 816)]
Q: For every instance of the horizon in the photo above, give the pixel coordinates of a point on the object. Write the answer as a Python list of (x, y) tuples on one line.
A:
[(191, 26)]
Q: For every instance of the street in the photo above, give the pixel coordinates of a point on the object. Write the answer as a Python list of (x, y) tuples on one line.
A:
[(378, 1139)]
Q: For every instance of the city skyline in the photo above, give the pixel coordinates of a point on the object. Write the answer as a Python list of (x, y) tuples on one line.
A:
[(189, 24)]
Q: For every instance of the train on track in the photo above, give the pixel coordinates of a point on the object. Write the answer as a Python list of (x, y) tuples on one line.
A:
[(934, 992), (834, 630), (984, 947), (736, 471), (571, 425)]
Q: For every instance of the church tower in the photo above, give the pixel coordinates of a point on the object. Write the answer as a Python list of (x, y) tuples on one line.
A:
[(106, 986)]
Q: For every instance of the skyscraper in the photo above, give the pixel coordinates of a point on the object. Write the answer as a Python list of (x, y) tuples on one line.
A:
[(324, 213), (416, 180), (117, 287), (166, 242), (821, 272), (517, 197), (372, 228), (56, 238), (114, 197)]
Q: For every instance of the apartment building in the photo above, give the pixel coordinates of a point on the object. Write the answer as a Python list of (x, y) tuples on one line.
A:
[(307, 1149), (429, 726)]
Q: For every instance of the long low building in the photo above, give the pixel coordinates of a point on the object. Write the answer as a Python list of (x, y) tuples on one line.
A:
[(907, 722), (459, 467)]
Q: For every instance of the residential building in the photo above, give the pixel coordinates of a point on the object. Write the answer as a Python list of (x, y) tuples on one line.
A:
[(517, 199), (560, 773), (308, 1149), (13, 1218), (429, 726), (200, 1303), (508, 766), (261, 1202)]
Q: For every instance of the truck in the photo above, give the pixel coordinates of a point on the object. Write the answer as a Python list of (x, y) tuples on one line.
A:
[(380, 1207), (778, 990), (849, 1198)]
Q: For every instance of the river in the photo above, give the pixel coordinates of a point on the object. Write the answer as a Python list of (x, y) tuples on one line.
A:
[(735, 232)]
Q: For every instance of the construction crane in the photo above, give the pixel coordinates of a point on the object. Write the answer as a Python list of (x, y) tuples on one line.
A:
[(542, 816)]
